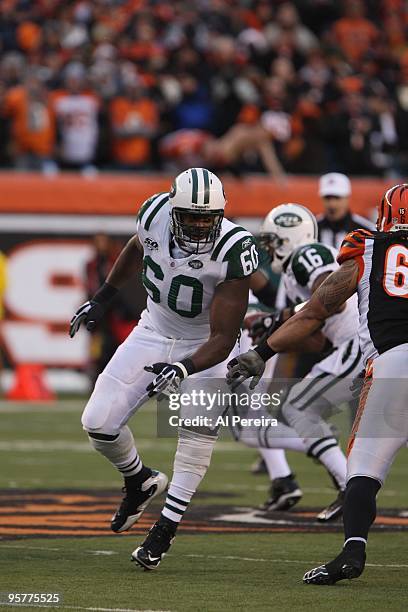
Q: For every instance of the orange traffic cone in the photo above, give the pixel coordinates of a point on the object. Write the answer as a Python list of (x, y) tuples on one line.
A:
[(29, 384)]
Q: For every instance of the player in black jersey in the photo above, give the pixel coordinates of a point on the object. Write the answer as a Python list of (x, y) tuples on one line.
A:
[(375, 265)]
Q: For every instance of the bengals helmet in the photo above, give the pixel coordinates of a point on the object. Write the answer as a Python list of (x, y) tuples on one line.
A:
[(393, 210)]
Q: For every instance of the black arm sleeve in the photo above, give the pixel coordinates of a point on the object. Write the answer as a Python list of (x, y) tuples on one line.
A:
[(267, 295)]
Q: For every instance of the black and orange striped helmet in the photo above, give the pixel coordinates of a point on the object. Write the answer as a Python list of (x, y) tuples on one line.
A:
[(393, 209)]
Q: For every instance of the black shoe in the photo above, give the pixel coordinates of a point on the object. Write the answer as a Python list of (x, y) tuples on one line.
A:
[(333, 510), (136, 500), (259, 467), (155, 546), (284, 494), (349, 564)]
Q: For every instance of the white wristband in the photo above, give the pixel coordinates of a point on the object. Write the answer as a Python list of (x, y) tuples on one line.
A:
[(182, 368)]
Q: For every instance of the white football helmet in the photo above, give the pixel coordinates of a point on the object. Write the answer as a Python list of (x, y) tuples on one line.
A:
[(285, 228), (197, 201)]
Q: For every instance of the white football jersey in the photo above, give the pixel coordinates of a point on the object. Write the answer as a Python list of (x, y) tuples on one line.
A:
[(304, 266), (180, 290), (78, 119)]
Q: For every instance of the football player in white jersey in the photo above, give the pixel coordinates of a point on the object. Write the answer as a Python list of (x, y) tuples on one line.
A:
[(289, 233), (196, 266), (373, 265)]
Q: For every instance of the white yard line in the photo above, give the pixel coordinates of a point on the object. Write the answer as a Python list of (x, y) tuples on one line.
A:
[(296, 561), (198, 556), (47, 446)]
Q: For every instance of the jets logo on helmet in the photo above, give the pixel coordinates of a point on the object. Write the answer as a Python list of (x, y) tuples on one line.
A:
[(285, 228), (392, 210), (197, 203), (288, 220)]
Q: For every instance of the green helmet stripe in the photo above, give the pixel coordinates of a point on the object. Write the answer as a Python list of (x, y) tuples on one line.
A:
[(155, 211), (194, 195), (206, 187), (223, 240)]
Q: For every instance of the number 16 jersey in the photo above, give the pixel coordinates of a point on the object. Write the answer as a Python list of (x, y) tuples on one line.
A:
[(300, 272), (382, 288), (180, 290)]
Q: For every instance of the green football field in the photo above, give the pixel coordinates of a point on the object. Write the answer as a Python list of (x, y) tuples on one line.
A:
[(57, 496)]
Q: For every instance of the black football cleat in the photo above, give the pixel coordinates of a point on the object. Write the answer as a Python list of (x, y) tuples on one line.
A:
[(333, 510), (155, 546), (136, 500), (348, 565), (284, 494)]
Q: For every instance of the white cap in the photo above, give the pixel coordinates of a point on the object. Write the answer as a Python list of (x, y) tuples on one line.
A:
[(334, 184)]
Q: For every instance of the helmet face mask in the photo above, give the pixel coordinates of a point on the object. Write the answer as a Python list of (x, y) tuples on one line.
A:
[(197, 203), (284, 229), (194, 231)]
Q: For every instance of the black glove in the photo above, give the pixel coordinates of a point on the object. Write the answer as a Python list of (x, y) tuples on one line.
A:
[(263, 326), (168, 376), (247, 365), (92, 311)]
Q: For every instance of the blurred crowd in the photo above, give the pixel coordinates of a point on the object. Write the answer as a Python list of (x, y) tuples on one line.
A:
[(156, 84)]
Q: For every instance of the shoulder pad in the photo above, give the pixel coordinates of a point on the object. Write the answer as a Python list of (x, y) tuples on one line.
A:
[(309, 258), (238, 248), (353, 245), (150, 208)]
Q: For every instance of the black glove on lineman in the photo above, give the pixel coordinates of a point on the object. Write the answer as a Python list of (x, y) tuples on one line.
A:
[(263, 327), (168, 376), (249, 365), (92, 311)]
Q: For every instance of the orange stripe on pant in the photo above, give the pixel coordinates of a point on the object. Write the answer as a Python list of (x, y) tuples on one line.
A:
[(368, 379)]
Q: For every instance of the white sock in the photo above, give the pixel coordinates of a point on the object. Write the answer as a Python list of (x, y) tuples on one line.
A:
[(121, 452), (335, 462), (275, 460), (182, 488)]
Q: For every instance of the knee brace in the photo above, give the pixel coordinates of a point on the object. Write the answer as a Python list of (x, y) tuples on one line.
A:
[(194, 452)]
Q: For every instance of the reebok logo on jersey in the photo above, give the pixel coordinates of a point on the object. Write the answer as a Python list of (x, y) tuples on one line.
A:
[(288, 220), (246, 243), (196, 264), (151, 244)]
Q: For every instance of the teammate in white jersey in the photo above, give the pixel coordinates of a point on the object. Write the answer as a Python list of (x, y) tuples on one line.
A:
[(289, 233), (196, 267)]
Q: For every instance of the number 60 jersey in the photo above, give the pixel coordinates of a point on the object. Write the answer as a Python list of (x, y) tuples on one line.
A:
[(180, 290), (382, 288)]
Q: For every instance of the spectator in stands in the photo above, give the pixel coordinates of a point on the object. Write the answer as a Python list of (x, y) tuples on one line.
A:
[(213, 65), (32, 126), (337, 219), (287, 29), (355, 34), (76, 109), (134, 123)]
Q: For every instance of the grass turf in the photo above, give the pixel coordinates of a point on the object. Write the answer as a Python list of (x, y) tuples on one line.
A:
[(44, 447)]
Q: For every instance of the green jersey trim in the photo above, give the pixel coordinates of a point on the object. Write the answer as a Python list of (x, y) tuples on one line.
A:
[(155, 210), (308, 260), (141, 214), (225, 239), (242, 257)]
